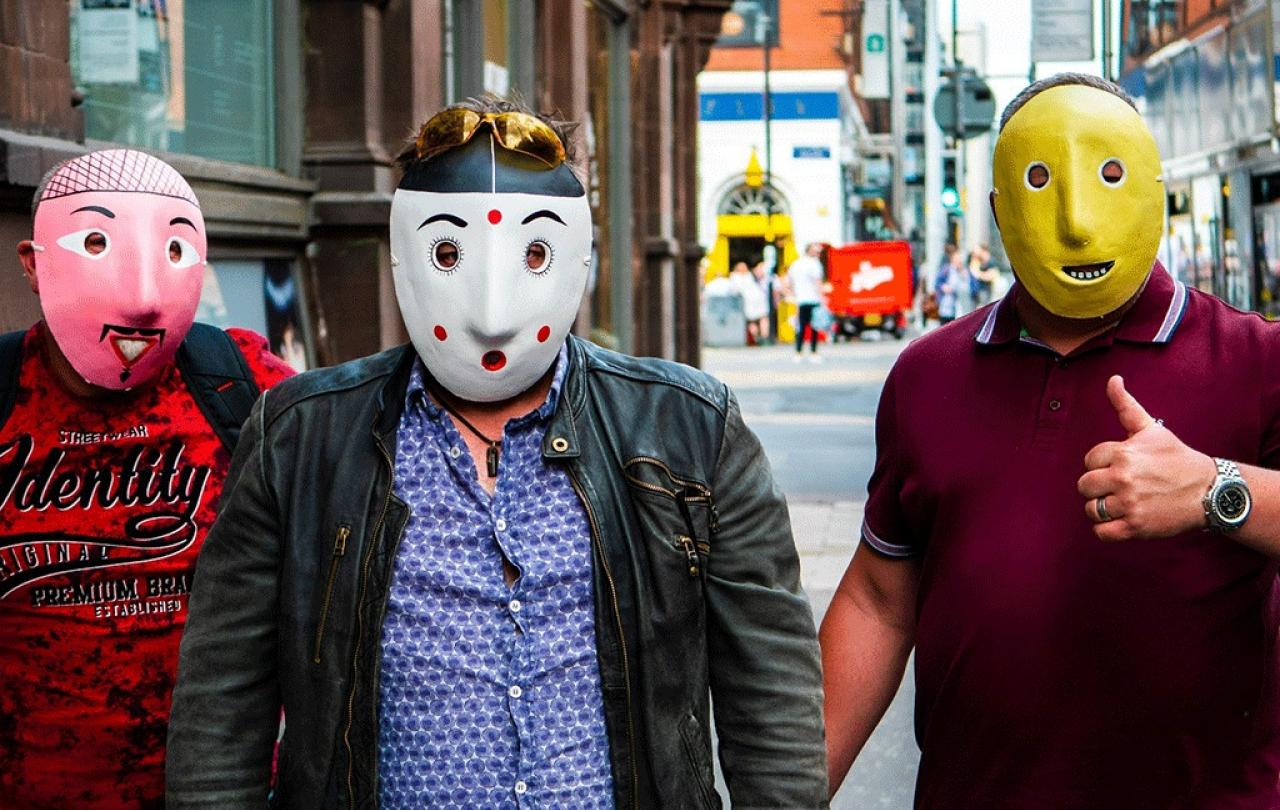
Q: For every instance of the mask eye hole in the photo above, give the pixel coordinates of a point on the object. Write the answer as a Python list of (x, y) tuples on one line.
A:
[(90, 243), (445, 255), (182, 253), (1112, 171), (537, 256), (1037, 176)]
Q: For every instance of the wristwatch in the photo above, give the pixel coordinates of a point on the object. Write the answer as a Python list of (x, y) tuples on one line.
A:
[(1228, 503)]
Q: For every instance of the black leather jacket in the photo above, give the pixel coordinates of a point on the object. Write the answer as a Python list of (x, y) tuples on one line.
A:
[(696, 586)]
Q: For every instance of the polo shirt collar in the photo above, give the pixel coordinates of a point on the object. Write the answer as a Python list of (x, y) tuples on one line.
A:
[(1154, 317)]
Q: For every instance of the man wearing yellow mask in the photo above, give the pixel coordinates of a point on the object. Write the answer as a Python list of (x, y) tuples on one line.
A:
[(1057, 667)]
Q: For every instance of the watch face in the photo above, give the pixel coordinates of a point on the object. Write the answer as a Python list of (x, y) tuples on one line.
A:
[(1232, 502)]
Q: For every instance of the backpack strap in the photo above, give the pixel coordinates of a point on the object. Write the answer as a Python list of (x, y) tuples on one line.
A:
[(218, 376), (10, 366)]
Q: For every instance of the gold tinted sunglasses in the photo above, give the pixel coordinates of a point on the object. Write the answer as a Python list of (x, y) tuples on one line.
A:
[(516, 131)]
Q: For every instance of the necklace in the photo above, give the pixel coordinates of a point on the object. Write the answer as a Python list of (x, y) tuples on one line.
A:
[(495, 445)]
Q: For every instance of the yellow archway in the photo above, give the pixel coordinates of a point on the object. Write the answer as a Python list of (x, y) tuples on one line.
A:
[(772, 228)]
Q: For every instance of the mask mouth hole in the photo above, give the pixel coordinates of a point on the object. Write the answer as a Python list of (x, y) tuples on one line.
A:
[(1088, 272), (493, 361)]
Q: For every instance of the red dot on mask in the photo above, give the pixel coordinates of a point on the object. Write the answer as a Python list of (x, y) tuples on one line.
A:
[(441, 334), (543, 334), (495, 216)]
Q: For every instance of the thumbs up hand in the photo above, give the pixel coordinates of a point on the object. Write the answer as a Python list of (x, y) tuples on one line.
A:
[(1151, 484)]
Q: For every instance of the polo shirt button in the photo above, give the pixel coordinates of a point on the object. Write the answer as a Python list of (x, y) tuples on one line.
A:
[(501, 525), (521, 788), (1055, 404), (515, 691), (454, 452), (515, 605)]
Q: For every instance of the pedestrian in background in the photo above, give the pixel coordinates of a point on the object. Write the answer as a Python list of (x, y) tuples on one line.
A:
[(805, 278), (986, 276), (953, 287), (754, 306), (765, 281)]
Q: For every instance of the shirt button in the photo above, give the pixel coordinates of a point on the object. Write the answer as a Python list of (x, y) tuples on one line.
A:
[(514, 605), (501, 525), (521, 788), (454, 452), (515, 691), (1055, 404)]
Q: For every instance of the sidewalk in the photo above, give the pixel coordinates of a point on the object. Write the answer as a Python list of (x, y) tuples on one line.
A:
[(826, 535)]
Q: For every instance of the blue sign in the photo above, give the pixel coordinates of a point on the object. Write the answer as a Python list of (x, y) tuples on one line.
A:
[(819, 152), (794, 106)]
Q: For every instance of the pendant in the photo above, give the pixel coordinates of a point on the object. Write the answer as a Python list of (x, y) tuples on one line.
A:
[(492, 457)]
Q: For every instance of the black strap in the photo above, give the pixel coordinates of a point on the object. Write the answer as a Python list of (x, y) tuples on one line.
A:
[(218, 376), (10, 365)]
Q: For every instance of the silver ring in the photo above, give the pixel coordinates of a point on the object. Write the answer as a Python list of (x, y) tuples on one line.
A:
[(1101, 506)]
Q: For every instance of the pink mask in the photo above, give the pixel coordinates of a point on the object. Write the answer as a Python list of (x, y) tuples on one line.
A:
[(120, 264)]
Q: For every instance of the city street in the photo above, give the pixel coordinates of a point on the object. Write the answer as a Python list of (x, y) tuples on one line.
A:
[(816, 422)]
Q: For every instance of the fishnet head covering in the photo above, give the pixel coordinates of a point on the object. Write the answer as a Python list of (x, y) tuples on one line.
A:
[(114, 170)]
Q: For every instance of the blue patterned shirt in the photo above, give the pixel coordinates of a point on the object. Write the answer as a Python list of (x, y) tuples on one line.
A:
[(490, 695)]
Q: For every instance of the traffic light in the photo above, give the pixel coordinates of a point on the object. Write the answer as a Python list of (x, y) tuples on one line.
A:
[(950, 186)]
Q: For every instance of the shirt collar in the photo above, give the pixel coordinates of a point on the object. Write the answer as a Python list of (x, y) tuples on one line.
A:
[(417, 391), (1154, 317)]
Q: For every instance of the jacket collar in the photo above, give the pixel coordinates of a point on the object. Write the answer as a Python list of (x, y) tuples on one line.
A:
[(1154, 318)]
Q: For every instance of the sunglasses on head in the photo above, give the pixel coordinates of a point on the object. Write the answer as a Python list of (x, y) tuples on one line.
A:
[(515, 131)]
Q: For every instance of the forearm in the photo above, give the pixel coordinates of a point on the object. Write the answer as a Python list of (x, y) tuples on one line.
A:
[(863, 660)]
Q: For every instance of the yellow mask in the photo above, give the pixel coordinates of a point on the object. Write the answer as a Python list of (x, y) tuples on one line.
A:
[(1079, 199)]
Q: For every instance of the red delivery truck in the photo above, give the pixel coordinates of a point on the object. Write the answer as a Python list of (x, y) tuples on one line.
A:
[(870, 287)]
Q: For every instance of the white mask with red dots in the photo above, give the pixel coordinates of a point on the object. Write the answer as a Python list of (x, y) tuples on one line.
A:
[(489, 284)]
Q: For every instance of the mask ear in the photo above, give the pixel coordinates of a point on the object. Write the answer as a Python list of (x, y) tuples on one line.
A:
[(27, 251)]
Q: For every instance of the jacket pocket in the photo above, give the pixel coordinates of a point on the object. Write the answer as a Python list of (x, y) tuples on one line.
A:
[(696, 749), (695, 508), (326, 597), (673, 521)]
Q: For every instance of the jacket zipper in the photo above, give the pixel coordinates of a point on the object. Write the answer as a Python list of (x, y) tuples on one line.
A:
[(339, 550), (702, 490), (690, 553), (617, 617), (364, 584)]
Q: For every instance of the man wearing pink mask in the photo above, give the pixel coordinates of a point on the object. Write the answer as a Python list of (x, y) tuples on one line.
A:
[(499, 567), (117, 419)]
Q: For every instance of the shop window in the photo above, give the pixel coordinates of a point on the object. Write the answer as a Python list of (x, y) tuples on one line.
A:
[(1152, 24), (262, 296), (157, 75)]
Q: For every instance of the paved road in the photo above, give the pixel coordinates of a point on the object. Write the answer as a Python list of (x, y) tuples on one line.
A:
[(817, 425)]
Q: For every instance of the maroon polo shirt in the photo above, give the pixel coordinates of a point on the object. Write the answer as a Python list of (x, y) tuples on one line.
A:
[(1054, 670)]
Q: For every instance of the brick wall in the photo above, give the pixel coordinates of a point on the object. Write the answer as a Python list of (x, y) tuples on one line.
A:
[(809, 40), (35, 71)]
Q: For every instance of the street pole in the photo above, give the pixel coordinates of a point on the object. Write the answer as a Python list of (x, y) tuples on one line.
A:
[(957, 124), (762, 30), (935, 214), (1106, 39)]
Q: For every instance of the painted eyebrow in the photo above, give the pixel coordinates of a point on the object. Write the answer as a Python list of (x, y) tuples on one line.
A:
[(543, 214), (96, 209), (450, 218), (182, 221)]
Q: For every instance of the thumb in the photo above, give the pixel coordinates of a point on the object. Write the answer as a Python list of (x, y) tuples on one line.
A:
[(1133, 417)]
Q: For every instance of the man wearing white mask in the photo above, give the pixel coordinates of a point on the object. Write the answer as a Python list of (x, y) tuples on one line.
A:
[(499, 567)]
